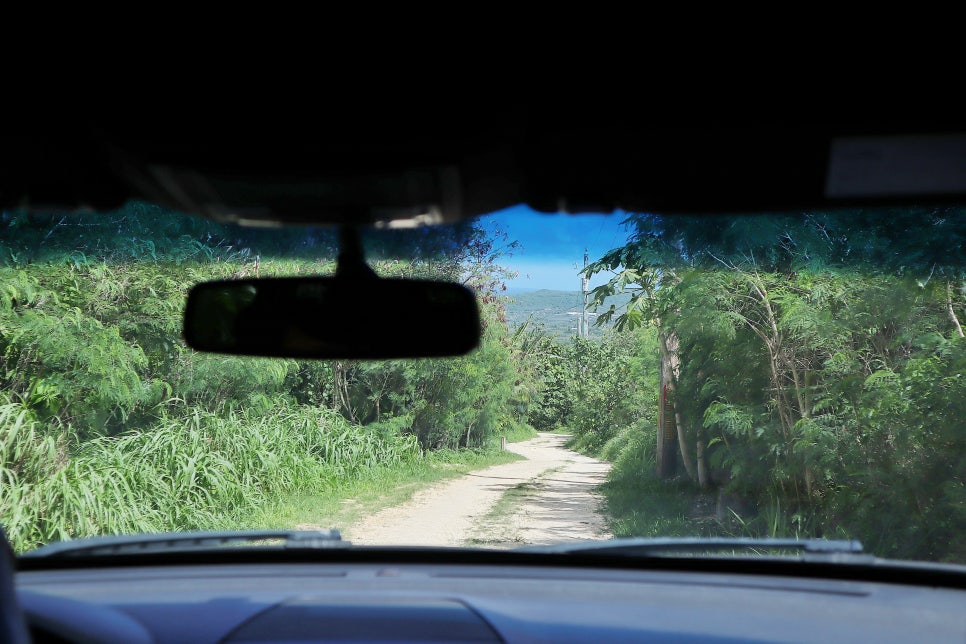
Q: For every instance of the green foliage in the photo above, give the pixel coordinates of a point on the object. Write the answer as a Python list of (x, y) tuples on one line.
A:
[(517, 431), (194, 470), (467, 400), (110, 424), (818, 362), (638, 503), (70, 367), (597, 388), (819, 365)]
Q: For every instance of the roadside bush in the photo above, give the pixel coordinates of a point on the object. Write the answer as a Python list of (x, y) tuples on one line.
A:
[(194, 470)]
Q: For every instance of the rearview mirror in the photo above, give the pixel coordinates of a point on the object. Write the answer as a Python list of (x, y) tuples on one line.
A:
[(332, 318)]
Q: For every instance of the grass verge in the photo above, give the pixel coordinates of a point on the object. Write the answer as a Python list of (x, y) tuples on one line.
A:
[(647, 507), (341, 504), (514, 434), (638, 504), (196, 470)]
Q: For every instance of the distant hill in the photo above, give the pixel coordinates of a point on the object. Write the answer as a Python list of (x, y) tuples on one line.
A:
[(556, 311)]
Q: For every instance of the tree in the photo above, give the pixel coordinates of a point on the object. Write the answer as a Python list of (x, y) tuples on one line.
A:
[(799, 352)]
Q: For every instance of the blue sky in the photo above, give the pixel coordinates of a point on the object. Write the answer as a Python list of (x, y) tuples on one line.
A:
[(552, 246)]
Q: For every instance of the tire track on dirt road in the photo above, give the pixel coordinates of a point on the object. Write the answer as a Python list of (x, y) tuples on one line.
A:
[(558, 503)]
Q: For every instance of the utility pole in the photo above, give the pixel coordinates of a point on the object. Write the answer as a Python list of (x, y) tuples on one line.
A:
[(584, 330), (580, 325)]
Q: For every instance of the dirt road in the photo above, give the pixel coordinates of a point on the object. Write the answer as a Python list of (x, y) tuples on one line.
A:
[(547, 498)]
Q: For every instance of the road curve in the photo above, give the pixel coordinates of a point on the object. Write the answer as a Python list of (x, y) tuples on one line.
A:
[(553, 500)]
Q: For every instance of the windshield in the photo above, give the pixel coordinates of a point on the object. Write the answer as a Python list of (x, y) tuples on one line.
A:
[(796, 375)]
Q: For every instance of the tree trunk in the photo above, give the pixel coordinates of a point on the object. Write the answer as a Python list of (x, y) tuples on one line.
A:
[(340, 391), (666, 435), (683, 445), (336, 385), (671, 362), (704, 480), (952, 312), (345, 399)]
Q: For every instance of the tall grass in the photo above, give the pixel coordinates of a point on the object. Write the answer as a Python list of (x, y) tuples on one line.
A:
[(638, 503), (193, 470)]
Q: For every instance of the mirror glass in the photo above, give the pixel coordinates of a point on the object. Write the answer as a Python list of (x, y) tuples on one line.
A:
[(332, 318)]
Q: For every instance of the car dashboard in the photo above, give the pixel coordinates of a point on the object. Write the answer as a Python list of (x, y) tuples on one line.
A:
[(460, 602)]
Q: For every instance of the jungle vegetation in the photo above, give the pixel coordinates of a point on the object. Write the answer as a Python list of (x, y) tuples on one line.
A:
[(813, 364)]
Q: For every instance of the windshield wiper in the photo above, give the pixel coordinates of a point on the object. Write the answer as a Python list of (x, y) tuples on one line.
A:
[(662, 547), (141, 543)]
